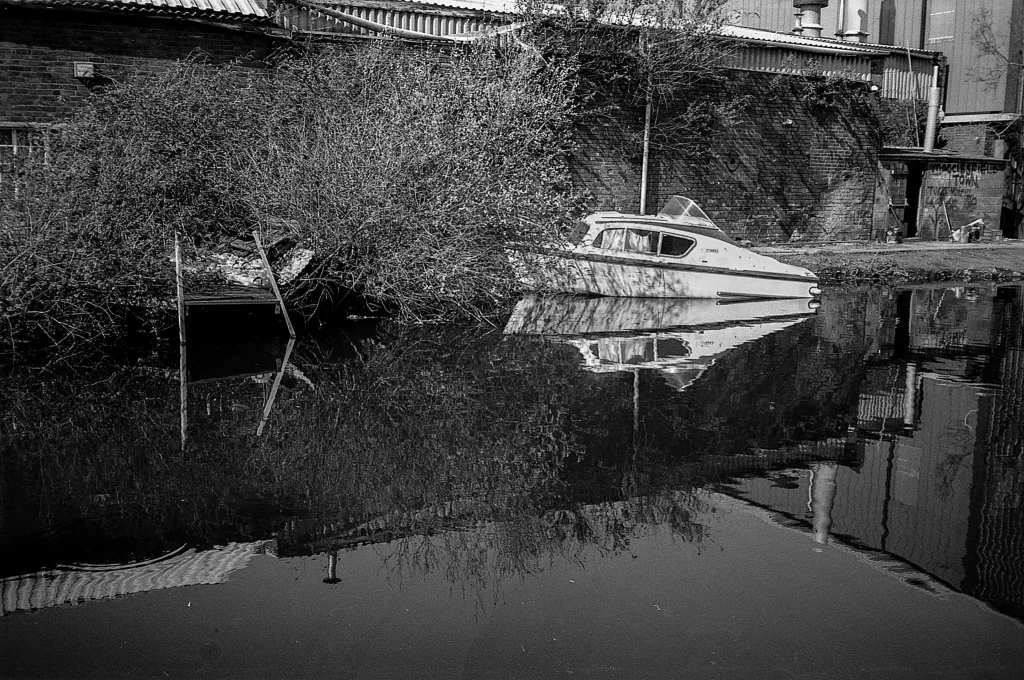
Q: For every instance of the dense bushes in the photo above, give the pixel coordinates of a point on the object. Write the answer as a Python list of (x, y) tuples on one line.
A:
[(410, 172), (406, 170)]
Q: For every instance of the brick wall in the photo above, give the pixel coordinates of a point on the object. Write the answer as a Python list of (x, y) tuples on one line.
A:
[(784, 173), (38, 48), (974, 139)]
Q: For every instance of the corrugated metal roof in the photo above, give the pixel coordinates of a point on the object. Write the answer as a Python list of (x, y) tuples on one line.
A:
[(245, 10), (502, 6), (760, 35), (511, 7), (911, 153)]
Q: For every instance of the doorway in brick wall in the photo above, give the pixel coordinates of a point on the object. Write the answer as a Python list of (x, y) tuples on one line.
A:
[(906, 194)]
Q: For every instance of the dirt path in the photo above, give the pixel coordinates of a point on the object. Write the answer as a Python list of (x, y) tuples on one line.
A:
[(894, 264)]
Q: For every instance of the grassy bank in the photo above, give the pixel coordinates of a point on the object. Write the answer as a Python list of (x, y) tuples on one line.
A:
[(901, 264)]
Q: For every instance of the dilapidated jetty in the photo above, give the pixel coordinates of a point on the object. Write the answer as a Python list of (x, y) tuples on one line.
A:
[(245, 279)]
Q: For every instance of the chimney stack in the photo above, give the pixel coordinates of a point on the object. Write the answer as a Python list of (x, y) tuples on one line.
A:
[(855, 16), (809, 21)]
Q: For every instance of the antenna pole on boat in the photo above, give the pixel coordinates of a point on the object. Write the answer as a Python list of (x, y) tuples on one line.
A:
[(647, 153)]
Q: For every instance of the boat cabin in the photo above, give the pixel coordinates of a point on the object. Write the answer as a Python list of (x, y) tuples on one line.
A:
[(669, 233)]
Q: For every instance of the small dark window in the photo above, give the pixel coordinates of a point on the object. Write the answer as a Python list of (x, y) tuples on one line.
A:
[(675, 246), (578, 232), (671, 348)]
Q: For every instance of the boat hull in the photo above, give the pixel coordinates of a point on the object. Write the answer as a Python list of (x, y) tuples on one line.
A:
[(635, 277)]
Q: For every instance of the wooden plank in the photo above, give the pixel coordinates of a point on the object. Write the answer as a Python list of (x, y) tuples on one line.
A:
[(273, 282), (230, 294), (228, 301)]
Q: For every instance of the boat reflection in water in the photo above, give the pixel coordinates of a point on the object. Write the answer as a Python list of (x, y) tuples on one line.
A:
[(679, 338)]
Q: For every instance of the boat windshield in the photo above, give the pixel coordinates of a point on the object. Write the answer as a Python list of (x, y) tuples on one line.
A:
[(690, 217), (680, 207)]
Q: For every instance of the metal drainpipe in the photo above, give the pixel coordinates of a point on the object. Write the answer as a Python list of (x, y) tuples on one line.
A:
[(647, 155), (1020, 83), (934, 96)]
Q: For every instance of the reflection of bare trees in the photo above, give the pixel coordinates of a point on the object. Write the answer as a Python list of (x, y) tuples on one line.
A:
[(422, 436), (482, 555)]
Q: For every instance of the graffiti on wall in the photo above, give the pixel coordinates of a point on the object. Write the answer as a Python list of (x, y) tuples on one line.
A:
[(950, 198)]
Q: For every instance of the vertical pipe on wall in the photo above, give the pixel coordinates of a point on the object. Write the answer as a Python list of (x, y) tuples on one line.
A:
[(934, 95), (1020, 82)]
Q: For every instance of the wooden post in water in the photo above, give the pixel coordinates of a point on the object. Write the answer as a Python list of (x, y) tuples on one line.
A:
[(180, 289), (273, 281), (182, 364)]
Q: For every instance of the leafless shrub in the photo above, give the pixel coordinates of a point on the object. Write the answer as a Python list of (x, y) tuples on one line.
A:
[(408, 171), (634, 53)]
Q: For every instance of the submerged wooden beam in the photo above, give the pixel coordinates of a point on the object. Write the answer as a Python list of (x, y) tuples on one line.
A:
[(230, 294), (277, 384)]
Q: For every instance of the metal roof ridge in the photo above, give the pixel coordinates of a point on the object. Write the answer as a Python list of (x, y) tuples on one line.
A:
[(247, 9)]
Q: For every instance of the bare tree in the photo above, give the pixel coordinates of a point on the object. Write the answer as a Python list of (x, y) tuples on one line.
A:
[(994, 45), (653, 53)]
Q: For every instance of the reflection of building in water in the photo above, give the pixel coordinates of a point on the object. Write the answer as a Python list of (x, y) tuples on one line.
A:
[(74, 585), (940, 483), (996, 542)]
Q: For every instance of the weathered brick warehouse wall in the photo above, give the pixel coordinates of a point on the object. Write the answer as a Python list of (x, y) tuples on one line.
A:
[(38, 49), (790, 169)]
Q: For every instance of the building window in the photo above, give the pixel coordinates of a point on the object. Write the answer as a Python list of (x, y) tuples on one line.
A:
[(20, 140), (941, 22), (19, 143)]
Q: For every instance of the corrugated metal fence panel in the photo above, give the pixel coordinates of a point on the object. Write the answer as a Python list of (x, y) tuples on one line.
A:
[(754, 58), (303, 19), (899, 82)]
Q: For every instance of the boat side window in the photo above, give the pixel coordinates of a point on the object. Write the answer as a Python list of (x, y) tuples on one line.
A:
[(641, 241), (611, 239), (675, 246)]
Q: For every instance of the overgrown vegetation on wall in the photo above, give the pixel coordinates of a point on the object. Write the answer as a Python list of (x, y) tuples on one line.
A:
[(903, 122), (631, 54), (407, 171)]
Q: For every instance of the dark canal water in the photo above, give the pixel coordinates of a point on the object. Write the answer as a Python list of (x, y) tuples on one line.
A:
[(598, 489)]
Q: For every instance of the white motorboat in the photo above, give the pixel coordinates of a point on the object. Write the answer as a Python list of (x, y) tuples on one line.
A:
[(679, 253)]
